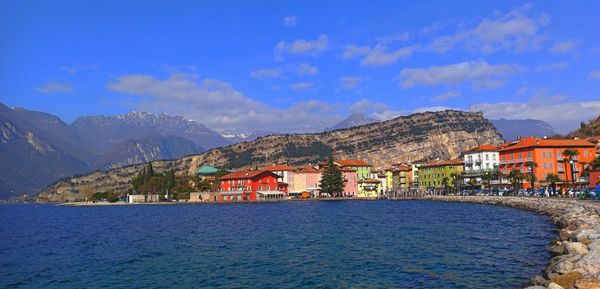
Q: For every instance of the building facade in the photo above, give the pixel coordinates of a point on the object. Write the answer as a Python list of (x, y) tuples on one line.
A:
[(350, 186), (249, 185), (480, 160), (438, 175), (306, 180), (286, 175), (549, 156), (362, 168), (368, 188)]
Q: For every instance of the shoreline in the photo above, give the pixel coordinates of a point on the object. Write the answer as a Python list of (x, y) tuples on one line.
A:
[(575, 261)]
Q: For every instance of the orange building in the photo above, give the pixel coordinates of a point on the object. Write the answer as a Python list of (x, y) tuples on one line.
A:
[(549, 156)]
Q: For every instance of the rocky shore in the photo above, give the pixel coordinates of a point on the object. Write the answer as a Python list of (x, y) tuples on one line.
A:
[(575, 259)]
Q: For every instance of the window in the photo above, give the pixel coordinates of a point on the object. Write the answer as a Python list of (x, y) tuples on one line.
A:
[(528, 154), (544, 165), (558, 155), (585, 153), (543, 154), (551, 166), (550, 154)]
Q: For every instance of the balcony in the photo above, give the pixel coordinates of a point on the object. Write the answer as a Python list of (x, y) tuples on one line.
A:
[(561, 169)]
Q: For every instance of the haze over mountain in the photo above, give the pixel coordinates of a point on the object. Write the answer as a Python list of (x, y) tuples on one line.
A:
[(511, 129), (355, 119)]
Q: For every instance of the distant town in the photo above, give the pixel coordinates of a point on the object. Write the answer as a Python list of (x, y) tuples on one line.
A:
[(526, 167)]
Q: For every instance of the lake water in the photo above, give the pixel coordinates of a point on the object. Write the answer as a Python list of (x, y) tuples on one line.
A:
[(312, 244)]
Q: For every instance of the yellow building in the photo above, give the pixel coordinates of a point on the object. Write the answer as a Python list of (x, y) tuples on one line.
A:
[(368, 188), (438, 175)]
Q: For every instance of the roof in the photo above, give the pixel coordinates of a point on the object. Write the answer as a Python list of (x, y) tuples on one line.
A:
[(353, 163), (245, 174), (207, 170), (347, 170), (483, 148), (444, 163), (532, 142), (276, 168), (404, 168), (306, 169)]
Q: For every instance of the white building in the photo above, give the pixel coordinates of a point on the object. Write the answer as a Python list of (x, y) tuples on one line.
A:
[(285, 173), (480, 159)]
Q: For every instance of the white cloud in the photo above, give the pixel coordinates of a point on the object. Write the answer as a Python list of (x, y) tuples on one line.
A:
[(432, 109), (54, 87), (515, 30), (446, 95), (301, 86), (404, 36), (479, 73), (266, 73), (350, 82), (564, 46), (551, 66), (562, 115), (379, 55), (290, 21), (595, 74), (301, 46), (210, 102), (305, 69)]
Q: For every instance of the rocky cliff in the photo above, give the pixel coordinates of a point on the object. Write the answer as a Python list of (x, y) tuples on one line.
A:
[(422, 136)]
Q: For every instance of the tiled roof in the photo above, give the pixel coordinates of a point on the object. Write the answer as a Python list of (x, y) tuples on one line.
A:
[(275, 168), (246, 174), (353, 163), (369, 181), (486, 148), (531, 142), (444, 163), (306, 169), (347, 170)]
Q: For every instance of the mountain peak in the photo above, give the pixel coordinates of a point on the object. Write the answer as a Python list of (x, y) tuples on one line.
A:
[(355, 119)]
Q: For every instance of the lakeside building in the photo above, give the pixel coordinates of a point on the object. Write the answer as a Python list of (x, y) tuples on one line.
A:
[(438, 174), (383, 184), (549, 156), (368, 188), (250, 185), (479, 160), (285, 173), (197, 197), (401, 177), (414, 173), (306, 180), (351, 185), (207, 172), (594, 178), (140, 198), (362, 168)]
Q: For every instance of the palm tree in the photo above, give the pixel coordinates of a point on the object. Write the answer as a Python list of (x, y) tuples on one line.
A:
[(569, 154), (553, 179), (515, 177), (446, 182), (486, 178), (472, 183), (531, 165)]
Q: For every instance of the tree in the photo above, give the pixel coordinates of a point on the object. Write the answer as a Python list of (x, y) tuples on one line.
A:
[(531, 165), (332, 182), (553, 179), (515, 176), (569, 155), (446, 182), (595, 164), (150, 170), (472, 183), (486, 178)]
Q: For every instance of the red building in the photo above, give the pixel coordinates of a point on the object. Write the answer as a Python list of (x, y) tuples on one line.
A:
[(251, 185)]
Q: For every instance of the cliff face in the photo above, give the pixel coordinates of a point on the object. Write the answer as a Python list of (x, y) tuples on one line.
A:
[(422, 136)]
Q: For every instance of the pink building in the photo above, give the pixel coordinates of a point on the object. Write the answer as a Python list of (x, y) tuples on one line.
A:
[(351, 186)]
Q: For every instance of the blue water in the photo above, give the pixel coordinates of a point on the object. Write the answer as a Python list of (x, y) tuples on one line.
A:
[(333, 244)]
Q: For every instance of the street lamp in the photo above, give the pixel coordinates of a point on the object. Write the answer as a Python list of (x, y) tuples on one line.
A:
[(572, 173)]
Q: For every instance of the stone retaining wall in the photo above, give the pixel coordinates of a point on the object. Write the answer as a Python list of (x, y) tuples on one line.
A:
[(575, 259)]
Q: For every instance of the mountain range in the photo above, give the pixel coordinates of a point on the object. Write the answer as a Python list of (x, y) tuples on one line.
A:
[(38, 148), (417, 137)]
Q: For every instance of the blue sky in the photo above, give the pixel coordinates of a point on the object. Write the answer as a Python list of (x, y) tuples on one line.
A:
[(290, 66)]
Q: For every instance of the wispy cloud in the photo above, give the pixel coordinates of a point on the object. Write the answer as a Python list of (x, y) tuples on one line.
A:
[(350, 82), (301, 46), (210, 102), (54, 87), (446, 95), (266, 73), (290, 21), (516, 30), (479, 73), (74, 69), (301, 86), (565, 46), (379, 55), (306, 69), (551, 66)]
